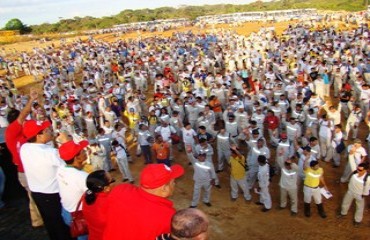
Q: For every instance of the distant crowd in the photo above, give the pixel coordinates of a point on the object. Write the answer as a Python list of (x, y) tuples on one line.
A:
[(251, 107)]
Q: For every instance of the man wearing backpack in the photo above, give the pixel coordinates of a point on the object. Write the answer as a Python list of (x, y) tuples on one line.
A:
[(358, 188)]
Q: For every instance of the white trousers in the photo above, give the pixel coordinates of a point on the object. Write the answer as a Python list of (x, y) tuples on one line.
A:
[(310, 193), (242, 183), (293, 196), (265, 197), (360, 205), (197, 191)]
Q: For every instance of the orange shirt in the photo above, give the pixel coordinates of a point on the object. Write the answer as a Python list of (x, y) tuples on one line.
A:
[(162, 150), (215, 105), (114, 68)]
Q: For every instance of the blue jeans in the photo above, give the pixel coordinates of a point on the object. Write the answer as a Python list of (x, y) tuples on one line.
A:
[(2, 184), (68, 220), (107, 164), (147, 153)]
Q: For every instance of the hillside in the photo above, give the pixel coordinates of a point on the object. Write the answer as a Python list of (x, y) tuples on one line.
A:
[(192, 12)]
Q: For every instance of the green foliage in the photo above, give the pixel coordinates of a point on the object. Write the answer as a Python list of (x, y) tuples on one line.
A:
[(16, 24), (191, 12)]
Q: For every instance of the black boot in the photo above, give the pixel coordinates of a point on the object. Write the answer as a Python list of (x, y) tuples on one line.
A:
[(320, 208), (307, 210)]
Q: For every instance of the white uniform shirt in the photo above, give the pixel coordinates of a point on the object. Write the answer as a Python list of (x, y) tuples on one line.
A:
[(72, 185), (143, 136), (165, 132), (325, 129), (188, 136), (365, 95), (356, 185), (289, 177), (264, 175), (120, 151), (360, 152), (41, 162), (203, 171)]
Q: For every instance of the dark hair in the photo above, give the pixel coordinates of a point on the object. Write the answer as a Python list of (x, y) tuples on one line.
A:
[(32, 139), (365, 165), (95, 182), (158, 136), (314, 163), (202, 140), (69, 162), (262, 159), (101, 131), (13, 115), (222, 125), (116, 126)]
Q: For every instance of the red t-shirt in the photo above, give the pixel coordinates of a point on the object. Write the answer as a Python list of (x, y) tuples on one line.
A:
[(14, 140), (133, 213), (96, 215), (272, 122)]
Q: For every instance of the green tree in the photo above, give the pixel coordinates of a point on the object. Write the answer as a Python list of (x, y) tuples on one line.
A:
[(15, 24)]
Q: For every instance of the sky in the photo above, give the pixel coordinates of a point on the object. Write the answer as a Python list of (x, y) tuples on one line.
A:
[(40, 11)]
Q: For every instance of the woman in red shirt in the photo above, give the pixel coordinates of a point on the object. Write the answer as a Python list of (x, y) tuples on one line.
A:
[(272, 123), (94, 203)]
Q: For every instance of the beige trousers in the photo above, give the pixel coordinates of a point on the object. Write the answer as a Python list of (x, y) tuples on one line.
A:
[(36, 219)]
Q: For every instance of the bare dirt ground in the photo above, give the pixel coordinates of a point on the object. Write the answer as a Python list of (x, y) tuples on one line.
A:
[(242, 220)]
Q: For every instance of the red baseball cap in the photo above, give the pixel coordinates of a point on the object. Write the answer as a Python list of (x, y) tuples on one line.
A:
[(31, 128), (70, 149), (156, 175)]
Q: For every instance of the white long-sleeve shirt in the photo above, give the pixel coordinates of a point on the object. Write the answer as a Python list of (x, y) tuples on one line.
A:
[(289, 177), (203, 171), (357, 186), (335, 116), (355, 117), (357, 156), (325, 128), (120, 151), (263, 176)]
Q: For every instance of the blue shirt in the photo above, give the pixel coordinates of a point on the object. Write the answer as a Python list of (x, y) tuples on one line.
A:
[(325, 77), (367, 69)]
